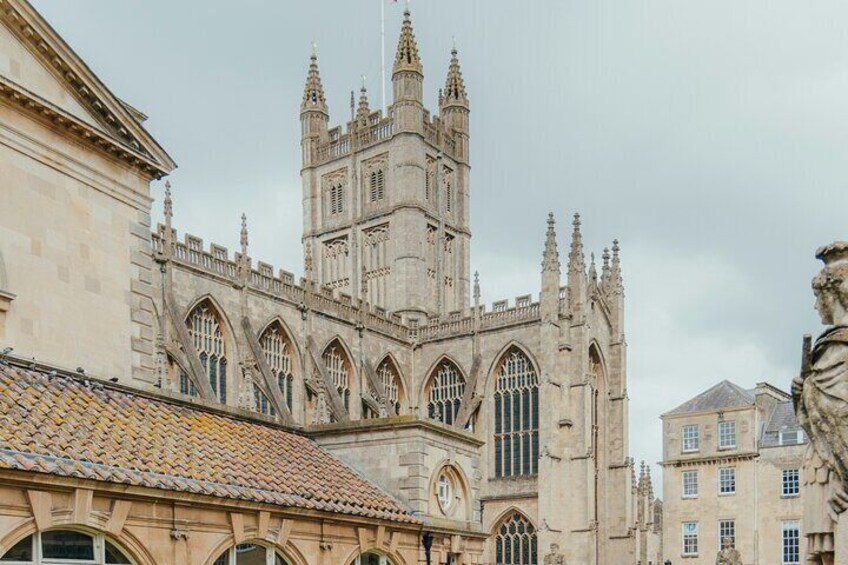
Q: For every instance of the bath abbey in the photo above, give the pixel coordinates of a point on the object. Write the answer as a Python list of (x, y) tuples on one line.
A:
[(164, 400)]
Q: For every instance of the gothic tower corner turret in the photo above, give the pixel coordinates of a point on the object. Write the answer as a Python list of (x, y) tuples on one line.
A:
[(407, 81), (314, 114)]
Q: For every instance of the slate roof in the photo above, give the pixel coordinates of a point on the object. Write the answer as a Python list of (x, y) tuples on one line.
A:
[(782, 419), (74, 428), (722, 396)]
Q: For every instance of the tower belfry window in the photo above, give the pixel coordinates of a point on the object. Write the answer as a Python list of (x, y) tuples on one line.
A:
[(377, 185), (337, 199)]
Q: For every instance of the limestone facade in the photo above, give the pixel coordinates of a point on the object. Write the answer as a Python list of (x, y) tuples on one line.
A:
[(731, 467), (493, 425)]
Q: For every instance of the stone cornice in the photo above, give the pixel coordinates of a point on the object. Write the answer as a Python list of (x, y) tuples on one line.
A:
[(715, 459), (60, 60), (18, 96)]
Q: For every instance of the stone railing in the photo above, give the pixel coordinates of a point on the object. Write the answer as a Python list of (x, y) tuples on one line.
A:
[(354, 140), (456, 323)]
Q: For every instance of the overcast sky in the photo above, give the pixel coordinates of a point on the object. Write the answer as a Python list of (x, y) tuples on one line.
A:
[(709, 137)]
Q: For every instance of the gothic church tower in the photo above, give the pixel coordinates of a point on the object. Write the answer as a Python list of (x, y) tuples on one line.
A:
[(385, 200)]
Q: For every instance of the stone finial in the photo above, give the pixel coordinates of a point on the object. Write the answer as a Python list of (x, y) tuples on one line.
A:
[(363, 111), (605, 267), (313, 91), (550, 256), (168, 205), (476, 287), (363, 282), (593, 272), (243, 238), (307, 261), (454, 92), (407, 58), (576, 260), (616, 280)]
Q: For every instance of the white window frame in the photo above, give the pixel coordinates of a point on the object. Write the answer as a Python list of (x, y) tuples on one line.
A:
[(692, 483), (691, 442), (723, 529), (795, 527), (731, 480), (270, 554), (98, 540), (694, 535), (790, 478), (799, 437), (727, 434), (445, 490), (383, 559)]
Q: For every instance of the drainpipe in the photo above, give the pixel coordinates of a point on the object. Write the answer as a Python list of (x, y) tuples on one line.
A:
[(427, 542)]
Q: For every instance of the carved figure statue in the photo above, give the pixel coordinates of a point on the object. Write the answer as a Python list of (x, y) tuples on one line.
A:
[(820, 394), (728, 555), (554, 557)]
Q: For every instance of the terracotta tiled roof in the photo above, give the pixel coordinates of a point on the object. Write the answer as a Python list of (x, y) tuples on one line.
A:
[(70, 427)]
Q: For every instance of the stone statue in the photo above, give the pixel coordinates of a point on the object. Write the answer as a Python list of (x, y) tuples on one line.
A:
[(554, 557), (820, 395), (728, 555)]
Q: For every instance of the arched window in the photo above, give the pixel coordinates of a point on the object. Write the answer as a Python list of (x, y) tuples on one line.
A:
[(388, 375), (263, 405), (372, 558), (515, 542), (377, 185), (179, 377), (339, 368), (516, 415), (205, 330), (278, 351), (444, 395), (337, 199), (65, 546), (250, 554)]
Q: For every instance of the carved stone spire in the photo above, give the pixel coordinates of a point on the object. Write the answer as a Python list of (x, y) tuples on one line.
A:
[(476, 288), (576, 261), (616, 280), (313, 91), (407, 58), (605, 268), (454, 92), (593, 272), (363, 111), (243, 238), (168, 205), (550, 256)]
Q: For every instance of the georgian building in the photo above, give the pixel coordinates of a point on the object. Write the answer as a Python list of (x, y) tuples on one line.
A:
[(172, 402), (732, 468)]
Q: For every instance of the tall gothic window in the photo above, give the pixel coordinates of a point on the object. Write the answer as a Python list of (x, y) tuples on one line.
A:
[(389, 377), (444, 395), (278, 352), (339, 370), (516, 416), (515, 542), (205, 330), (377, 185)]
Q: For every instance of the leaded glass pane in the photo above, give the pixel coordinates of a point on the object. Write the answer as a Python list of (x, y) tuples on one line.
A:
[(516, 415)]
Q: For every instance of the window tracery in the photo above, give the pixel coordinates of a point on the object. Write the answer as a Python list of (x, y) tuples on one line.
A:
[(516, 542), (278, 353), (445, 393), (516, 416), (336, 260), (388, 376), (208, 340), (375, 261), (338, 368)]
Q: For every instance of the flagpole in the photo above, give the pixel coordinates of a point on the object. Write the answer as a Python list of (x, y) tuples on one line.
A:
[(383, 51)]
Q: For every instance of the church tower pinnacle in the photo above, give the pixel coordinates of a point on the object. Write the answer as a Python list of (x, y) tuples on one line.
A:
[(453, 102), (363, 111), (408, 81), (314, 114), (549, 297)]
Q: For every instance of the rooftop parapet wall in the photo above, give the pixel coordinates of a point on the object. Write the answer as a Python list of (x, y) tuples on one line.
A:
[(217, 263), (379, 128)]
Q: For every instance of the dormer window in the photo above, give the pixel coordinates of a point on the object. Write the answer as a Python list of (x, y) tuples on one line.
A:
[(791, 437)]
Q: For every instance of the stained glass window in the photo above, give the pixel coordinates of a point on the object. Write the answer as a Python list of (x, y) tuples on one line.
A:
[(278, 353)]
